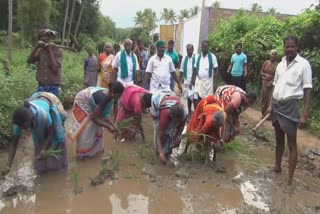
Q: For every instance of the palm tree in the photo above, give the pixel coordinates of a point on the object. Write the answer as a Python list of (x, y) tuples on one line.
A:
[(9, 33), (256, 8), (216, 4), (65, 22), (139, 19), (150, 19), (70, 21), (194, 10), (272, 11), (168, 15), (183, 14)]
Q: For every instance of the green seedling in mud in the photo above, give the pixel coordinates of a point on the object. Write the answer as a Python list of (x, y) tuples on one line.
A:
[(234, 146), (143, 150), (109, 166), (127, 124), (75, 177), (130, 177), (51, 152)]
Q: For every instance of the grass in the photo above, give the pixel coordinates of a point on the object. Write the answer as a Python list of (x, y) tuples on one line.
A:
[(143, 150), (109, 166), (75, 177), (51, 152), (19, 83), (127, 124), (235, 145)]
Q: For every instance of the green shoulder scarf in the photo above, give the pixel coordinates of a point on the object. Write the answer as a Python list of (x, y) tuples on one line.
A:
[(185, 65), (210, 63), (124, 65)]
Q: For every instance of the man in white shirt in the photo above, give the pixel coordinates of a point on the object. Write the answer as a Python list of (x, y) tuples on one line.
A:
[(204, 73), (159, 70), (125, 65), (186, 70), (292, 81)]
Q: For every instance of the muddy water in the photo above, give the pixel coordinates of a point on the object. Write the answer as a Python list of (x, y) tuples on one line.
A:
[(143, 185)]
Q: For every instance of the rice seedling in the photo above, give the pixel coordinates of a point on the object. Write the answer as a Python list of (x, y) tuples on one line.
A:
[(127, 124), (143, 150), (51, 152), (109, 166), (75, 177)]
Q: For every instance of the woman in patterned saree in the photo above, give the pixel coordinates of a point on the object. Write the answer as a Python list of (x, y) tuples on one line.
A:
[(91, 113)]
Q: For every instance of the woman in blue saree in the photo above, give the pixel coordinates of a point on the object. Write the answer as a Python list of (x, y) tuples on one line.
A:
[(44, 116)]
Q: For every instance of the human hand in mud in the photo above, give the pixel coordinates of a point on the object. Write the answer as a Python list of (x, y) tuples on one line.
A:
[(162, 158), (5, 172)]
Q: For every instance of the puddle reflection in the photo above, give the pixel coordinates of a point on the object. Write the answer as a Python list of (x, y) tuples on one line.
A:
[(135, 204)]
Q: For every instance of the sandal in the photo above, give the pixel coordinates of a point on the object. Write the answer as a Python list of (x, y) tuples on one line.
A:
[(315, 151)]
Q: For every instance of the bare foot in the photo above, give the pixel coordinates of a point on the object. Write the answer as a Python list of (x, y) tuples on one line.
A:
[(276, 169)]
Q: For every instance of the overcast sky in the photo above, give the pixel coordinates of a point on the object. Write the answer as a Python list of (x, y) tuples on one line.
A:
[(122, 12)]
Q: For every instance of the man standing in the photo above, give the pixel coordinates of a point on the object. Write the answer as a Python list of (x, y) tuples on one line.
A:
[(204, 73), (126, 63), (143, 56), (175, 59), (238, 67), (186, 73), (48, 59), (267, 74), (159, 70), (292, 81)]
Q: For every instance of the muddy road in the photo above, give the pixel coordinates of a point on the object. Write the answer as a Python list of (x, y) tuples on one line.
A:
[(241, 181)]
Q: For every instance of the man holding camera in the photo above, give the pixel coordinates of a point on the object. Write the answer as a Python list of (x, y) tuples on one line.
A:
[(47, 59)]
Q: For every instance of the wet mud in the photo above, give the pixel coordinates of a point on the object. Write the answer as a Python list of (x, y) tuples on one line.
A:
[(143, 185)]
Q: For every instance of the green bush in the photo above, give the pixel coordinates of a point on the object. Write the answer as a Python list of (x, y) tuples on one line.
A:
[(19, 83)]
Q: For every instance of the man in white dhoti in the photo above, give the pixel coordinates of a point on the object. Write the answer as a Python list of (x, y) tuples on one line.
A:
[(159, 70), (204, 76)]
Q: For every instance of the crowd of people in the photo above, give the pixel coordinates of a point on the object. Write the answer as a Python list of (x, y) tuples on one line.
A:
[(131, 82)]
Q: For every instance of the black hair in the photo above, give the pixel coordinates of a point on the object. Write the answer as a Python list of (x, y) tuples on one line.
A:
[(22, 114), (251, 95), (177, 111), (152, 45), (205, 41), (116, 45), (170, 41), (140, 42), (116, 87), (291, 37), (238, 45), (147, 100)]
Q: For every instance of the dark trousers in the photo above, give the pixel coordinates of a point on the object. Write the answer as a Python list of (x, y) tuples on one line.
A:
[(239, 82)]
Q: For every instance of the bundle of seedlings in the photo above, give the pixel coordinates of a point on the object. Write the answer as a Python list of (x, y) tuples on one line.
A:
[(128, 124), (197, 146), (51, 152), (108, 169)]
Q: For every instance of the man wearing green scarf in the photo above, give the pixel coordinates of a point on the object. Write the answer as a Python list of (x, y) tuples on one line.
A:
[(204, 76), (159, 70), (186, 69), (125, 65)]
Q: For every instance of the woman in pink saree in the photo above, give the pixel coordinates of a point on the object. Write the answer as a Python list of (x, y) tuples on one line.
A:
[(106, 59), (133, 102)]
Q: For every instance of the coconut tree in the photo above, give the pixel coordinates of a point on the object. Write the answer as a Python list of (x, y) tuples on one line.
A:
[(150, 19), (216, 4), (272, 11), (183, 14), (256, 8), (194, 10), (139, 19), (9, 32), (168, 15), (66, 14)]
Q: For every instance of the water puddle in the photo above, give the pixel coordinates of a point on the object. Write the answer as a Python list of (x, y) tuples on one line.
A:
[(252, 195), (143, 185)]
